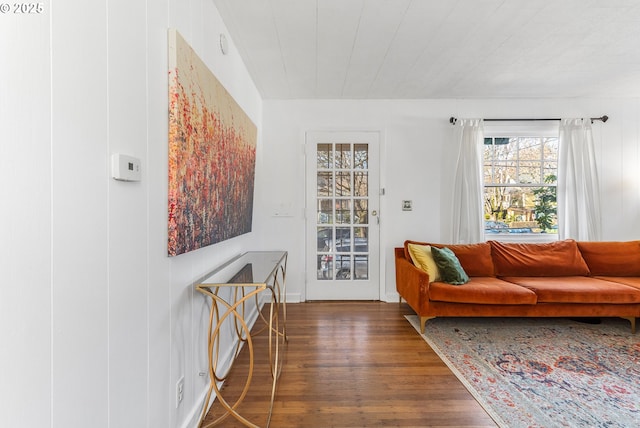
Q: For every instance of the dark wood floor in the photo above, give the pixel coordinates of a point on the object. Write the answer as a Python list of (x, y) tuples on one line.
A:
[(353, 364)]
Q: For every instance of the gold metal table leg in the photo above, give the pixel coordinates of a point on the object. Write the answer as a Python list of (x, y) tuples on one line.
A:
[(274, 323)]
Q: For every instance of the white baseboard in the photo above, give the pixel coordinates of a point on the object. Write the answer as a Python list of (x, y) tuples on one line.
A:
[(388, 297), (194, 415), (391, 298), (294, 298)]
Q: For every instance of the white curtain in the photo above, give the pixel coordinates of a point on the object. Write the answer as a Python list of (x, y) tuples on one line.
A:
[(578, 188), (467, 217)]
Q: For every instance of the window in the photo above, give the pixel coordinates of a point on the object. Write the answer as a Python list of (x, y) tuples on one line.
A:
[(520, 178)]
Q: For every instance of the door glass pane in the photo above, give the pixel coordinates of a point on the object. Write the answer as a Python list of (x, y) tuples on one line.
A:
[(343, 267), (325, 238), (325, 211), (361, 156), (343, 211), (362, 266), (343, 239), (325, 183), (360, 211), (361, 239), (343, 184), (343, 156), (324, 267), (360, 184), (324, 156)]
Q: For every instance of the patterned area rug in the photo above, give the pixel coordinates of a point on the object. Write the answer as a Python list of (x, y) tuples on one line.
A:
[(538, 372)]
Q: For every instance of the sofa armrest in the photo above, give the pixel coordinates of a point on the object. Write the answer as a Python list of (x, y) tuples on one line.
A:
[(411, 283)]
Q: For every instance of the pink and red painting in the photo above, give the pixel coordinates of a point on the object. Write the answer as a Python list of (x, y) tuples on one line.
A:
[(212, 156)]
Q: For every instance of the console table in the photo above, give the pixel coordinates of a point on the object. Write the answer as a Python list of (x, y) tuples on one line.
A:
[(246, 278)]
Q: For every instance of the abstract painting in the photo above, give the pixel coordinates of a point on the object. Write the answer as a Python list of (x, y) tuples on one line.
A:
[(212, 155)]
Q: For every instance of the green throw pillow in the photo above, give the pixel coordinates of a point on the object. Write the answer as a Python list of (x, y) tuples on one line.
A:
[(449, 266)]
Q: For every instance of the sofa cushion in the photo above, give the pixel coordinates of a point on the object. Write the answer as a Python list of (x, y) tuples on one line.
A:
[(577, 289), (449, 266), (631, 281), (561, 258), (475, 259), (482, 290), (423, 259), (611, 258)]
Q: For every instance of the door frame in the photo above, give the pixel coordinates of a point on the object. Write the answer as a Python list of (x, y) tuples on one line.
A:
[(310, 211)]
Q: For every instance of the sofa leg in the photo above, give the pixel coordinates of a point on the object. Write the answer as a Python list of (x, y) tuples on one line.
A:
[(632, 320), (423, 322)]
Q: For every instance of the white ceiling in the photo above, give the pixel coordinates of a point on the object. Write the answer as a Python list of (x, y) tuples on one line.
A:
[(400, 49)]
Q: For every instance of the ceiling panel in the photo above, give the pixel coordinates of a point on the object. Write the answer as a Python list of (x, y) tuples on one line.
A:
[(337, 29), (379, 23), (420, 26), (437, 49), (296, 29)]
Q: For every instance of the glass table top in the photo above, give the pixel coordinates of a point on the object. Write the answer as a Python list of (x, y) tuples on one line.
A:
[(253, 267)]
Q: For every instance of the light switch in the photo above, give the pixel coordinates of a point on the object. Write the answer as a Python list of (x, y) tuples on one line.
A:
[(125, 168)]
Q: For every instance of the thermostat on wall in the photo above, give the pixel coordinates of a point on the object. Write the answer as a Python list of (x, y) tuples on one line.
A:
[(125, 168)]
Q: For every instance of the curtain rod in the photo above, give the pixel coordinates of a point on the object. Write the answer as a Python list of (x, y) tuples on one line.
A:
[(453, 120)]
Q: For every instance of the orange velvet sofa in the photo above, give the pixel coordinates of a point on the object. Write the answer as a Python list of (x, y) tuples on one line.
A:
[(559, 279)]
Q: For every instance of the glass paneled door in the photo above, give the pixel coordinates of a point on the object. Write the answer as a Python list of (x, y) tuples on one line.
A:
[(342, 216)]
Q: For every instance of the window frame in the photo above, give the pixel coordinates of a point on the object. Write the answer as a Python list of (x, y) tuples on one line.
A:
[(541, 129)]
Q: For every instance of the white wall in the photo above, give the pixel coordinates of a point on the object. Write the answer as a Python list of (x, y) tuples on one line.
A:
[(97, 323), (417, 163), (25, 222)]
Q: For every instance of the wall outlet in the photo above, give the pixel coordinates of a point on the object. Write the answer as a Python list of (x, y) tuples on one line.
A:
[(179, 391)]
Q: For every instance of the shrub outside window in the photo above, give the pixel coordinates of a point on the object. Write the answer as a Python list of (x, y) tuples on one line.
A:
[(520, 179)]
